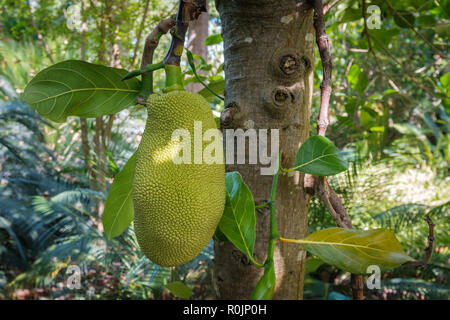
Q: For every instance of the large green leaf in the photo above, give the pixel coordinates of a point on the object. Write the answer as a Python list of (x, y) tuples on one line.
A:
[(409, 17), (216, 86), (179, 289), (209, 88), (312, 264), (238, 221), (78, 88), (357, 79), (318, 156), (355, 250), (119, 210), (213, 39), (383, 37), (349, 14)]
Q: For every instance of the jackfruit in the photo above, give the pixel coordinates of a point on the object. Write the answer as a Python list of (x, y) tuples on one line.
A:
[(177, 206)]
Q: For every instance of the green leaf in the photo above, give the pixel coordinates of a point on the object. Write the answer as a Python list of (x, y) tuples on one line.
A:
[(443, 29), (368, 117), (78, 88), (192, 65), (213, 39), (318, 156), (445, 81), (383, 36), (238, 221), (219, 236), (357, 79), (351, 105), (407, 16), (149, 68), (355, 250), (179, 289), (119, 210), (377, 129), (217, 86), (350, 14), (265, 287), (312, 264)]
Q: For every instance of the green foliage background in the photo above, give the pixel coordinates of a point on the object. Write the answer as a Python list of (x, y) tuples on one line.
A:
[(390, 118)]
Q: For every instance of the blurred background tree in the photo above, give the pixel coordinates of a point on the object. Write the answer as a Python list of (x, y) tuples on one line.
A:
[(389, 115)]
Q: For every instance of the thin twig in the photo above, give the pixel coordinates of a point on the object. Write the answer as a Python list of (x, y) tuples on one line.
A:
[(139, 35), (109, 127), (83, 122), (372, 51), (337, 210), (329, 5), (152, 40), (435, 50), (187, 11), (151, 43), (428, 249), (320, 185), (39, 34), (405, 70), (374, 54), (323, 43)]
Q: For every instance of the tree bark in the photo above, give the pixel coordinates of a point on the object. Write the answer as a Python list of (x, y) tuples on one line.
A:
[(41, 38), (83, 122), (139, 33), (197, 33), (269, 59)]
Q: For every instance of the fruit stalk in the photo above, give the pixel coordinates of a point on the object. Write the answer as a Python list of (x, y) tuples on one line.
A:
[(151, 42), (187, 11)]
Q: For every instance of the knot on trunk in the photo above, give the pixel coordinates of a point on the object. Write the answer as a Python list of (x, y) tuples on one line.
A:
[(288, 66), (281, 101), (229, 115)]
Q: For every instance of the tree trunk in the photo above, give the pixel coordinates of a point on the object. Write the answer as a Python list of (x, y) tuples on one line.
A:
[(197, 33), (269, 58)]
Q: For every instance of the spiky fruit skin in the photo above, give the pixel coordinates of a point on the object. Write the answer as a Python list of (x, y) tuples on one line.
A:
[(177, 206)]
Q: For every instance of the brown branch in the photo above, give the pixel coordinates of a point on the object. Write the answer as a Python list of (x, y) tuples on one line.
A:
[(187, 11), (152, 40), (85, 148), (405, 70), (428, 249), (139, 35), (435, 50), (109, 127), (151, 43), (99, 151), (332, 201), (323, 43), (39, 34), (374, 54), (329, 5), (83, 33), (372, 51), (357, 285), (319, 185), (102, 47), (83, 122), (334, 205)]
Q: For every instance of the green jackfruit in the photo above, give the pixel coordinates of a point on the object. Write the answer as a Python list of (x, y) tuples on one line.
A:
[(177, 206)]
